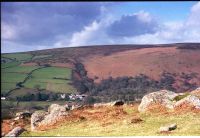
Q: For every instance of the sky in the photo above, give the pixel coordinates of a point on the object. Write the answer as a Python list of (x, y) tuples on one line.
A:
[(27, 26)]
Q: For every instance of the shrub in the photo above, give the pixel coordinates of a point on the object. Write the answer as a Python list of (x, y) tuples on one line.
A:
[(179, 97)]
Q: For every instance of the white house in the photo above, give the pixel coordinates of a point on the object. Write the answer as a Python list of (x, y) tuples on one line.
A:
[(63, 96), (77, 96), (3, 98)]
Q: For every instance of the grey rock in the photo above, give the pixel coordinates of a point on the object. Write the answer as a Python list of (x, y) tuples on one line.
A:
[(164, 97), (36, 118), (114, 103), (55, 112), (13, 123), (16, 118), (117, 103), (172, 127), (164, 129), (168, 128), (23, 114), (15, 132), (191, 99), (56, 108), (99, 104), (76, 107)]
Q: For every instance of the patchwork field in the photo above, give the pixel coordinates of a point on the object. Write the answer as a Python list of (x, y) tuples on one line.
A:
[(51, 78), (13, 72), (10, 80), (18, 56), (9, 64)]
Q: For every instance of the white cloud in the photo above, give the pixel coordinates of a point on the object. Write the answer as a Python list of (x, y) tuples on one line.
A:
[(167, 32), (148, 30), (144, 16), (172, 32), (93, 34), (83, 37), (194, 17), (8, 31)]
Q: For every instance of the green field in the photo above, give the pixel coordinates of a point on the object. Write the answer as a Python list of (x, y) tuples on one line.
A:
[(13, 75), (5, 87), (9, 64), (9, 80), (20, 69), (51, 72), (18, 56), (45, 78), (54, 79)]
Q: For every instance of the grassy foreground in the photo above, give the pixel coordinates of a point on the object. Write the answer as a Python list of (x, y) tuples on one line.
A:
[(121, 121)]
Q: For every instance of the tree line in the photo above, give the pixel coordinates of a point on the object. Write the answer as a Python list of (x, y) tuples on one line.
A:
[(125, 88)]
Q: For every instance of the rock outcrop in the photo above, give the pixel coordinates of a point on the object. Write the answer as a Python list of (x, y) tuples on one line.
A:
[(164, 97), (55, 112), (36, 118), (190, 99), (15, 132), (55, 108), (168, 99), (196, 92)]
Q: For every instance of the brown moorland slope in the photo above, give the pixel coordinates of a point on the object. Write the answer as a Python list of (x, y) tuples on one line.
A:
[(149, 61)]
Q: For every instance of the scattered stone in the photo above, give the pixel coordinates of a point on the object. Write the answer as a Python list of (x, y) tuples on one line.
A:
[(115, 103), (16, 118), (164, 129), (164, 97), (82, 118), (76, 107), (168, 128), (13, 123), (15, 132), (99, 104), (172, 127), (136, 120), (23, 115)]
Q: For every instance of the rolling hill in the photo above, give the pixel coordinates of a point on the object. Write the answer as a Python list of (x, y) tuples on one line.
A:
[(108, 71), (101, 62)]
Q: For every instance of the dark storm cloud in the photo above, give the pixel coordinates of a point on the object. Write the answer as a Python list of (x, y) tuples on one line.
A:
[(133, 25), (39, 22)]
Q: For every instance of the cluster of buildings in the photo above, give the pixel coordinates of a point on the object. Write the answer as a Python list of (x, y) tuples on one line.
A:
[(74, 96)]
